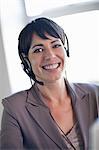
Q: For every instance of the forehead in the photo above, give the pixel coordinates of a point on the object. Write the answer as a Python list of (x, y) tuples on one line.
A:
[(37, 39)]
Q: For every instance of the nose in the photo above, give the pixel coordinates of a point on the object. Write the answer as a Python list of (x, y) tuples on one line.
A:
[(49, 54)]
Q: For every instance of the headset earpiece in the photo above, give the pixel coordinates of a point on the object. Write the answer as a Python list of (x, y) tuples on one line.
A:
[(25, 64), (28, 69), (67, 48), (67, 52)]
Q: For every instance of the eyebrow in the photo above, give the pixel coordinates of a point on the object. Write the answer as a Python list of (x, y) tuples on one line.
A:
[(54, 41), (42, 44), (37, 45)]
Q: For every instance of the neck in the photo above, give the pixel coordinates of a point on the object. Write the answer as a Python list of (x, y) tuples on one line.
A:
[(54, 92)]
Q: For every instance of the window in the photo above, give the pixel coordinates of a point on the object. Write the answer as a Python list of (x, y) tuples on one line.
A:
[(83, 33)]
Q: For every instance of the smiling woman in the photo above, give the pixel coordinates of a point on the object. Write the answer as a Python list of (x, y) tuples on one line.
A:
[(42, 45), (52, 108), (47, 58)]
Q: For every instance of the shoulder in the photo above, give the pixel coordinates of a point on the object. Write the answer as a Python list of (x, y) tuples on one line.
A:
[(87, 87), (16, 96), (15, 101)]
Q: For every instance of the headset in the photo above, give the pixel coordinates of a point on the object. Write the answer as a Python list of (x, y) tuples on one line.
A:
[(28, 68)]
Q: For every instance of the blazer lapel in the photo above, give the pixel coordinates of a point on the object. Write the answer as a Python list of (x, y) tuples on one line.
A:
[(81, 106), (42, 116), (82, 112)]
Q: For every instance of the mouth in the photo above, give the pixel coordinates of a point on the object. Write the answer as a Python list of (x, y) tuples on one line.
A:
[(51, 66)]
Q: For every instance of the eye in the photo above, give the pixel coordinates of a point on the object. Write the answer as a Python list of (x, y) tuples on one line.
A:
[(38, 50), (56, 45)]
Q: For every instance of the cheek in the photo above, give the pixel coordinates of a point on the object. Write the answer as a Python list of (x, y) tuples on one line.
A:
[(35, 65), (62, 52), (63, 55), (64, 58)]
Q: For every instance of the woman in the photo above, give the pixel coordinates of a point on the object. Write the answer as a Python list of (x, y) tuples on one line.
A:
[(52, 114)]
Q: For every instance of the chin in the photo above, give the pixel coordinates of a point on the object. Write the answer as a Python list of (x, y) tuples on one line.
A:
[(54, 79)]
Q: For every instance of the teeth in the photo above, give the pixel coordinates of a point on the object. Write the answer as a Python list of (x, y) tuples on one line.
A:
[(53, 66)]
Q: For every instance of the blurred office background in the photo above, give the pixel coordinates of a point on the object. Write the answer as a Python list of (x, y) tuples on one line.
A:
[(80, 20)]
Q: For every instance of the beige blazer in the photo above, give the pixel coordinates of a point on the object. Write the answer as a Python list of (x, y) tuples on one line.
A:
[(27, 123)]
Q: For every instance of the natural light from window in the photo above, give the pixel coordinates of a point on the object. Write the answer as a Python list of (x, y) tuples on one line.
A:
[(83, 33), (36, 7)]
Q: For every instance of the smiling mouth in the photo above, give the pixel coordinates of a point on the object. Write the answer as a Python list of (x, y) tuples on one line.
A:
[(51, 66)]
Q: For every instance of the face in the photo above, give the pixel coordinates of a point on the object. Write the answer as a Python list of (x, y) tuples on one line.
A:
[(47, 58)]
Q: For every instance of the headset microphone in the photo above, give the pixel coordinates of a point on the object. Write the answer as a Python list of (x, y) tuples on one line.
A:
[(39, 82)]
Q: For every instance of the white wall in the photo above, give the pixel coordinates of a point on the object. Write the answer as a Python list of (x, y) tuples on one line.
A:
[(12, 20)]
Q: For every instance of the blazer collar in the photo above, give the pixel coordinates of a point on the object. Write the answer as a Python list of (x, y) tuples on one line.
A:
[(35, 97), (81, 107), (43, 118)]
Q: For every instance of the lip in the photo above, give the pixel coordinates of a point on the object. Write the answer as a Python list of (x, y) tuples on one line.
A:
[(51, 66)]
